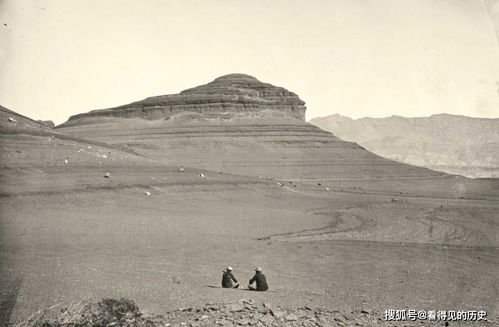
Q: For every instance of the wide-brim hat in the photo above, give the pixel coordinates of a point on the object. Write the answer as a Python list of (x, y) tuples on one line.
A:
[(258, 269)]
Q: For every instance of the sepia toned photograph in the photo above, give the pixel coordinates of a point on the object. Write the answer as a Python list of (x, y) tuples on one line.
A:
[(198, 163)]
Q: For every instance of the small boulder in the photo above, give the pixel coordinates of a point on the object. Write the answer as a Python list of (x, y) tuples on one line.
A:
[(277, 313), (235, 307), (290, 317)]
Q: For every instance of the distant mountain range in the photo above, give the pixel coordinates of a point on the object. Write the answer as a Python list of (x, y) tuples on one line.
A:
[(453, 144)]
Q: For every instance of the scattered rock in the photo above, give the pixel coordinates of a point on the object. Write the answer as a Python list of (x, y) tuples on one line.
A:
[(291, 317), (267, 319), (243, 322), (235, 307), (277, 313), (110, 312)]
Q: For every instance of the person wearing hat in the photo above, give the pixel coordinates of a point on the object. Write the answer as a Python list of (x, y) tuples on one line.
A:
[(228, 277), (261, 281)]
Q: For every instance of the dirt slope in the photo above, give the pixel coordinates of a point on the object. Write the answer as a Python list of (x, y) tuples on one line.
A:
[(265, 145), (272, 145)]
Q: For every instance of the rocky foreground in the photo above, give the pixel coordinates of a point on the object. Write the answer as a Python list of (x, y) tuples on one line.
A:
[(110, 312)]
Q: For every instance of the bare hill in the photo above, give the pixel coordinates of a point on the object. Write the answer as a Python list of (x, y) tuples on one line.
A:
[(454, 144), (11, 120), (39, 160), (268, 142)]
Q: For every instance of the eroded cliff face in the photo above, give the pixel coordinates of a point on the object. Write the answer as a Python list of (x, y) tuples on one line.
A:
[(228, 94), (453, 144)]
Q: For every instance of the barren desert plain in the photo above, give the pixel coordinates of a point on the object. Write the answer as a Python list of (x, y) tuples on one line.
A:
[(97, 208)]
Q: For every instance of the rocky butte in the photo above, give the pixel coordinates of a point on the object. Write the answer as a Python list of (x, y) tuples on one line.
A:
[(235, 124), (227, 94)]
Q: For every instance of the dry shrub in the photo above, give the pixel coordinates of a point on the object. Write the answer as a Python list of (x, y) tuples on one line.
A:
[(106, 313)]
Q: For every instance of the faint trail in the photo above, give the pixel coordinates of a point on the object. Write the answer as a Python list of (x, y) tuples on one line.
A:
[(442, 227), (342, 222)]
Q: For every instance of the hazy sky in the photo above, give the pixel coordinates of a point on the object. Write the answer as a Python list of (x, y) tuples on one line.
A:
[(354, 57)]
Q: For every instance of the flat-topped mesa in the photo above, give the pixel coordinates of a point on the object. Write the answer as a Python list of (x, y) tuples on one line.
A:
[(233, 93)]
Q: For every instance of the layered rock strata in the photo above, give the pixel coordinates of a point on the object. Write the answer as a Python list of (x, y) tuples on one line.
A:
[(231, 93)]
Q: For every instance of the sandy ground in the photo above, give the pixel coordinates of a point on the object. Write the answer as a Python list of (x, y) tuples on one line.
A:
[(166, 252), (68, 233)]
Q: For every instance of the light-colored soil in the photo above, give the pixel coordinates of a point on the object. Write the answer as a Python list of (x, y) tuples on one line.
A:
[(269, 145), (68, 233)]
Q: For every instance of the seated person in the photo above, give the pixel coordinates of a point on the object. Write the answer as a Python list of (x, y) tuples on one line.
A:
[(228, 277), (261, 281)]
